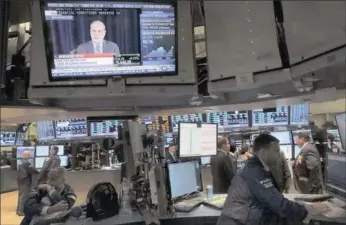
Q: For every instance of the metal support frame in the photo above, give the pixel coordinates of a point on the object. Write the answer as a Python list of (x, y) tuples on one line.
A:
[(4, 25)]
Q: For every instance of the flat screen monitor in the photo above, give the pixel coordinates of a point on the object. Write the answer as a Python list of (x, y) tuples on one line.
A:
[(186, 118), (39, 161), (296, 132), (61, 149), (95, 39), (261, 117), (22, 149), (63, 161), (205, 160), (160, 123), (42, 150), (184, 178), (31, 161), (104, 128), (20, 138), (297, 150), (7, 138), (299, 114), (228, 119), (71, 128), (283, 136), (335, 133), (45, 130), (336, 173), (341, 122), (195, 140), (287, 149)]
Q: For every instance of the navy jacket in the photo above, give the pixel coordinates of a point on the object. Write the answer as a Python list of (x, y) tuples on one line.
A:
[(254, 199), (34, 207)]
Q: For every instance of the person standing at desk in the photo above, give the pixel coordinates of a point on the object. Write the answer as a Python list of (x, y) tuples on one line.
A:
[(254, 197), (171, 153), (24, 179), (307, 171), (52, 162), (222, 167)]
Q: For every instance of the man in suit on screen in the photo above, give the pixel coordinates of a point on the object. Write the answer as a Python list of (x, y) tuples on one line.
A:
[(97, 44)]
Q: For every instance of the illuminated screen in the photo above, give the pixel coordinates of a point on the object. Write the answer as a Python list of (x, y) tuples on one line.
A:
[(335, 133), (205, 160), (287, 149), (39, 161), (187, 118), (21, 150), (299, 114), (61, 149), (229, 119), (160, 123), (284, 137), (279, 117), (31, 161), (341, 121), (296, 132), (197, 141), (184, 178), (104, 128), (45, 130), (7, 138), (71, 128), (42, 150), (98, 39), (64, 160), (19, 138), (336, 173), (297, 150)]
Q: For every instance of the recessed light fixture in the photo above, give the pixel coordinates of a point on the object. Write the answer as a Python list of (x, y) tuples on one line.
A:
[(208, 110), (264, 95)]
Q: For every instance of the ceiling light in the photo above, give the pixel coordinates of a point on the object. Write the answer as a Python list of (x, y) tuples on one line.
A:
[(264, 95)]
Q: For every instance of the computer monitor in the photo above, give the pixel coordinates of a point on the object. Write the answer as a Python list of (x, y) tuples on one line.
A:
[(341, 122), (336, 173), (63, 161), (42, 150), (22, 149), (61, 149), (104, 127), (45, 130), (299, 114), (296, 132), (39, 161), (335, 133), (205, 160), (284, 137), (31, 161), (71, 128), (92, 39), (287, 149), (297, 150), (184, 178), (197, 140), (270, 117)]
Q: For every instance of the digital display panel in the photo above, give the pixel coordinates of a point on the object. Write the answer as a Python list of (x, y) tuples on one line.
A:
[(61, 149), (205, 160), (279, 117), (287, 149), (97, 39), (45, 130), (160, 123), (64, 160), (297, 150), (341, 121), (186, 118), (22, 149), (19, 138), (284, 137), (71, 128), (145, 120), (42, 150), (229, 119), (7, 138), (296, 132), (197, 141), (335, 133), (336, 173), (39, 161), (104, 128), (299, 114)]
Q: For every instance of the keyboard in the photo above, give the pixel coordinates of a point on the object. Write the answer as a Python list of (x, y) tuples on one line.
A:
[(216, 202), (187, 205)]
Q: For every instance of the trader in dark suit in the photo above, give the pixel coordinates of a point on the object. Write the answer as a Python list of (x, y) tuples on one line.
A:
[(171, 155), (222, 167), (24, 179), (307, 167), (52, 162), (97, 44), (281, 173)]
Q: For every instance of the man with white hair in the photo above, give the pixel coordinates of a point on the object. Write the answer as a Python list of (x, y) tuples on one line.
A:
[(97, 44), (51, 197), (24, 180)]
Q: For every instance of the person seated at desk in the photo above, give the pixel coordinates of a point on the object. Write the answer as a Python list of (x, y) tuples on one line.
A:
[(254, 197), (54, 196), (171, 153)]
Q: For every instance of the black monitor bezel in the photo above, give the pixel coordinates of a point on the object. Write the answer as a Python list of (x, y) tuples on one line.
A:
[(169, 178), (179, 139), (49, 48)]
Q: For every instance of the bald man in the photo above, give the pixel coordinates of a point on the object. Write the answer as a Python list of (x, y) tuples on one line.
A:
[(97, 44), (24, 180), (222, 167)]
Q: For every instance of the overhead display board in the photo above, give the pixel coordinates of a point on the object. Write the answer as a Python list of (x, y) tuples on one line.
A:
[(71, 128), (299, 114), (45, 130), (284, 137), (98, 39), (7, 138), (104, 127), (229, 119), (186, 118), (160, 123), (270, 117)]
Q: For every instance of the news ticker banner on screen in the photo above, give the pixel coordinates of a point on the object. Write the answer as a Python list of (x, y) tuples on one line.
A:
[(97, 39)]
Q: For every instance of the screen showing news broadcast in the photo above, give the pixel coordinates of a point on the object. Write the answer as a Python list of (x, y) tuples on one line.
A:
[(98, 39)]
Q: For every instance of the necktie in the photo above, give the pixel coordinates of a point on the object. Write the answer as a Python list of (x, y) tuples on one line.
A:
[(98, 48)]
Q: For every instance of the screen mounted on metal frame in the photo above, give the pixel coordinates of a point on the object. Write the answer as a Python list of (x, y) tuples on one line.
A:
[(90, 39)]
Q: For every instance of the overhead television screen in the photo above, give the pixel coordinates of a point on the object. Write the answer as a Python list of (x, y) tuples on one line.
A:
[(279, 116), (91, 39), (45, 130), (71, 128), (104, 128), (229, 119), (186, 118), (195, 141), (7, 138), (20, 138), (299, 114)]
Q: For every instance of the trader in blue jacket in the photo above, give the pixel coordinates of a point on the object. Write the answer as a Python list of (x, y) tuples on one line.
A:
[(254, 197)]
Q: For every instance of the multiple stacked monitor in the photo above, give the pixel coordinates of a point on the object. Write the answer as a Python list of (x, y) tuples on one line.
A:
[(11, 138), (40, 153)]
